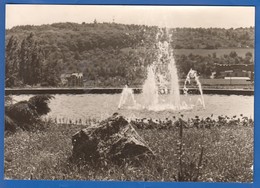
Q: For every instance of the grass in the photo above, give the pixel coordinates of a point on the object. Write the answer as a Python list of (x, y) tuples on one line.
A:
[(228, 155)]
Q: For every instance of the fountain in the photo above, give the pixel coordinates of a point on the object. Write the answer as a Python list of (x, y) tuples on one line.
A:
[(150, 89), (193, 74), (126, 93), (162, 78)]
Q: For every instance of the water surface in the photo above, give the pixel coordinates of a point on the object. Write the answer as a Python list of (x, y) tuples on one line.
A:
[(100, 106)]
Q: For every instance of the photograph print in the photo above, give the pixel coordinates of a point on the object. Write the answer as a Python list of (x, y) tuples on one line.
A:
[(129, 93)]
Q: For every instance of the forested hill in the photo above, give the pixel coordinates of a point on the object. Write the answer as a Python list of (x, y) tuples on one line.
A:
[(88, 36), (109, 54)]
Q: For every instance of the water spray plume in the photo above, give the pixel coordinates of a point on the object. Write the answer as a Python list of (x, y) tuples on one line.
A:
[(192, 74), (126, 93), (162, 78)]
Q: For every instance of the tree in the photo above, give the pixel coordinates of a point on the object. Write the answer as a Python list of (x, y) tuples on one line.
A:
[(51, 73), (30, 61), (108, 46), (214, 55), (248, 57), (233, 54), (12, 62)]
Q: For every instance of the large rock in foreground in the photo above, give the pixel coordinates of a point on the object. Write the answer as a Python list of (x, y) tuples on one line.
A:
[(113, 139)]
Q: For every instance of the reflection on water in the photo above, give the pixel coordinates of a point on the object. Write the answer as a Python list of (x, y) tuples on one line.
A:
[(101, 106)]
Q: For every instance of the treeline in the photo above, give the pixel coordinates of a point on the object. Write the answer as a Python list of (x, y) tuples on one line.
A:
[(213, 38), (27, 65), (109, 54), (102, 35), (205, 65)]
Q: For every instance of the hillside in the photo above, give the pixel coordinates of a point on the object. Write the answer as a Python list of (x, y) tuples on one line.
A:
[(111, 54)]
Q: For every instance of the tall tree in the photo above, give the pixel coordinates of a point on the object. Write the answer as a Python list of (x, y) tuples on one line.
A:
[(31, 60), (12, 62)]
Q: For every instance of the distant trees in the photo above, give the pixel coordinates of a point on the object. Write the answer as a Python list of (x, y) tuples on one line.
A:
[(31, 61), (233, 54), (25, 64), (248, 57), (51, 73), (12, 58), (205, 65), (213, 38), (111, 54)]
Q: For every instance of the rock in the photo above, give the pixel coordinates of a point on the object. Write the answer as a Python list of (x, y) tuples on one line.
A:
[(113, 139)]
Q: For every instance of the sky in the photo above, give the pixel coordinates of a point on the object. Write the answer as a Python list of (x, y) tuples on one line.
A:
[(162, 16)]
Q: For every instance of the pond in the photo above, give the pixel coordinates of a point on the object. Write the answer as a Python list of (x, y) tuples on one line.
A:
[(101, 106)]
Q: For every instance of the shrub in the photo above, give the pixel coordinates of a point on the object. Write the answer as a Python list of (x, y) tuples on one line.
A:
[(40, 102), (10, 125), (26, 114)]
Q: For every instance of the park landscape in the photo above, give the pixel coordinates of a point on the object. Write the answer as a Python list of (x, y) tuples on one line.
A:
[(158, 124)]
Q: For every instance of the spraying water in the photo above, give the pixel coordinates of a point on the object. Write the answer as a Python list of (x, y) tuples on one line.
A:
[(193, 74), (174, 83), (162, 78), (126, 93), (150, 88)]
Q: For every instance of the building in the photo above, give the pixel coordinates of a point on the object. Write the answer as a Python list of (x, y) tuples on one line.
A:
[(72, 80), (235, 71)]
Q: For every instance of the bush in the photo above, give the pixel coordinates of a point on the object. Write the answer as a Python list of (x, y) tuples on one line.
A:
[(40, 102), (26, 114), (10, 125)]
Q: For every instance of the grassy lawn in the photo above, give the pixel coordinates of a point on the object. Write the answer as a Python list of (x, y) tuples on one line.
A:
[(228, 155)]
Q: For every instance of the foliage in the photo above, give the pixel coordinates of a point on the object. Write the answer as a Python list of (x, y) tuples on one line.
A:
[(25, 64), (10, 125), (41, 103), (213, 38), (12, 62), (196, 122), (228, 155), (26, 114), (23, 112), (110, 54), (30, 64), (8, 100)]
